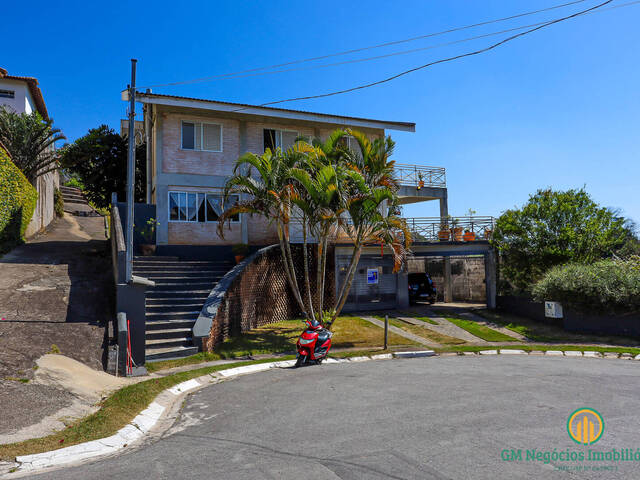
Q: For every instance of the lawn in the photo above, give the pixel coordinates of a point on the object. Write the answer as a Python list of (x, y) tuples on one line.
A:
[(546, 333), (417, 316), (480, 331), (421, 331), (348, 332)]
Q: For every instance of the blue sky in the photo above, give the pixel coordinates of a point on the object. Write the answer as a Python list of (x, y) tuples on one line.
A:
[(556, 108)]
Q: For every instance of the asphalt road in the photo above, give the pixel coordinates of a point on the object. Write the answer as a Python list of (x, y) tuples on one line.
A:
[(429, 418)]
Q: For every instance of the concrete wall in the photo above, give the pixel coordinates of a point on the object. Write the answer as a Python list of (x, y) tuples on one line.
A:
[(44, 212)]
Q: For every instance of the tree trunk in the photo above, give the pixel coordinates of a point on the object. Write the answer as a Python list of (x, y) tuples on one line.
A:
[(306, 268), (292, 284)]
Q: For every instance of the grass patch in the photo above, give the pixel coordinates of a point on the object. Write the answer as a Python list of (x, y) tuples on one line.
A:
[(481, 331), (281, 337), (417, 316), (549, 333), (16, 379), (423, 332), (115, 412)]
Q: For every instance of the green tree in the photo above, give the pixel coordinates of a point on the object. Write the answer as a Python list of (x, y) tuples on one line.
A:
[(554, 228), (99, 160), (30, 140)]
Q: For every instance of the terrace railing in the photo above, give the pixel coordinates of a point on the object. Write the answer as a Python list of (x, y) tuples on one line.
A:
[(453, 229), (420, 176)]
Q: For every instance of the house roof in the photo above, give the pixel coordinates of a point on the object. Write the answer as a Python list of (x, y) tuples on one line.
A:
[(245, 109), (35, 91)]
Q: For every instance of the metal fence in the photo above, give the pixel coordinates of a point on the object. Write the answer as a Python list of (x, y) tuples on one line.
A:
[(452, 229), (420, 176)]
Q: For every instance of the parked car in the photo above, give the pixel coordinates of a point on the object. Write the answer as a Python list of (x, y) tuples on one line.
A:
[(421, 288)]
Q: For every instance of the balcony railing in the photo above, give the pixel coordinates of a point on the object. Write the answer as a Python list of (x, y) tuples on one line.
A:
[(420, 176), (424, 229), (452, 229)]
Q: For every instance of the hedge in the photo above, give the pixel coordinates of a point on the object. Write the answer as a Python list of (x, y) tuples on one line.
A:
[(611, 286), (17, 202)]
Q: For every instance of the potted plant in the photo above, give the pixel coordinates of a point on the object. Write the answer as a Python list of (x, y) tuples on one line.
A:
[(420, 180), (487, 233), (469, 236), (240, 251), (444, 232), (456, 231), (148, 248)]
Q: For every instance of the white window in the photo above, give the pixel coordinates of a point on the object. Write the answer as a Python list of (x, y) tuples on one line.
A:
[(201, 136), (199, 207), (7, 94), (282, 139), (352, 144)]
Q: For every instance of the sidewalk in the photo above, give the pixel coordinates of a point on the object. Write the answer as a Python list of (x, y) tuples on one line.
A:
[(54, 290)]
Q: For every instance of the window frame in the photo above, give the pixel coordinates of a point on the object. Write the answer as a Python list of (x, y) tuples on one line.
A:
[(7, 93), (195, 132), (204, 193), (279, 132)]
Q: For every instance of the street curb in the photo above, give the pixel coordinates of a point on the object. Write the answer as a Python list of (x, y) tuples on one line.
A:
[(164, 403)]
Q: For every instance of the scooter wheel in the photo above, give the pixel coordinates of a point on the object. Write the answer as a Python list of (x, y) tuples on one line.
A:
[(301, 360)]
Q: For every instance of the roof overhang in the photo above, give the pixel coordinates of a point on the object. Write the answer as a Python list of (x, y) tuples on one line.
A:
[(255, 110), (34, 89)]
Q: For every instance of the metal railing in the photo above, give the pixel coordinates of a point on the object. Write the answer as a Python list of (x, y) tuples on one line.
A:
[(451, 229), (420, 176)]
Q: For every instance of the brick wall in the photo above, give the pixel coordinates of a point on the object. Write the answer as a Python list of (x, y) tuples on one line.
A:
[(260, 295)]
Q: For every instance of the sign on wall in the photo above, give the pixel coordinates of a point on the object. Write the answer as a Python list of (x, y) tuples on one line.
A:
[(372, 276), (552, 310)]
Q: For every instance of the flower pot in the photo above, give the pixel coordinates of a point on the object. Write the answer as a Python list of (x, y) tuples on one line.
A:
[(420, 183), (457, 234), (469, 236), (239, 258), (147, 249), (487, 233), (443, 235)]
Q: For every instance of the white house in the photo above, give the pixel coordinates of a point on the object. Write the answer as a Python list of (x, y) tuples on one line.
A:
[(23, 95)]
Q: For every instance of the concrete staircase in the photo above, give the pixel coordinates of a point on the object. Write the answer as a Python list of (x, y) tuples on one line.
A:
[(173, 305), (75, 203)]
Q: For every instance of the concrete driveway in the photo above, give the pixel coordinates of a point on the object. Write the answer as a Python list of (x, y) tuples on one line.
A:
[(433, 418)]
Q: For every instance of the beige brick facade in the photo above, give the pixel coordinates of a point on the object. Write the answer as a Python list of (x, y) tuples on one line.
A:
[(238, 137)]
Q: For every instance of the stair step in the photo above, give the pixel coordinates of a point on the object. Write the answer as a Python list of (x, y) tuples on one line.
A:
[(183, 341), (187, 302), (158, 258), (171, 316), (178, 294), (169, 324), (157, 354), (175, 307), (168, 333), (168, 261), (176, 276)]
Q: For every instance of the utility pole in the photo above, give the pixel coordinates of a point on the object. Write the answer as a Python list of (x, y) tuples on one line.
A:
[(131, 172)]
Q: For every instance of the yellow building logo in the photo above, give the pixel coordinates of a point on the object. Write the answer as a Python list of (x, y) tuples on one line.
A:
[(585, 426)]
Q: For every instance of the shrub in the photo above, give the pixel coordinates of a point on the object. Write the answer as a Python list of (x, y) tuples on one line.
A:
[(58, 204), (74, 182), (17, 203), (607, 285)]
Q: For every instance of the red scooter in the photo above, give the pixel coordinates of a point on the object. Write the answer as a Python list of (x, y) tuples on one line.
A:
[(314, 343)]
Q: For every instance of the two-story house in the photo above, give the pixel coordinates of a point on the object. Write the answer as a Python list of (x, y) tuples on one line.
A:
[(192, 148)]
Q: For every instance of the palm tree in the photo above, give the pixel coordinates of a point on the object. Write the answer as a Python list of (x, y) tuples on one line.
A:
[(30, 140), (333, 189), (267, 194)]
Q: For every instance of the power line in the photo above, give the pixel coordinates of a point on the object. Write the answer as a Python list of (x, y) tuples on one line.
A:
[(421, 49), (356, 50), (444, 60)]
